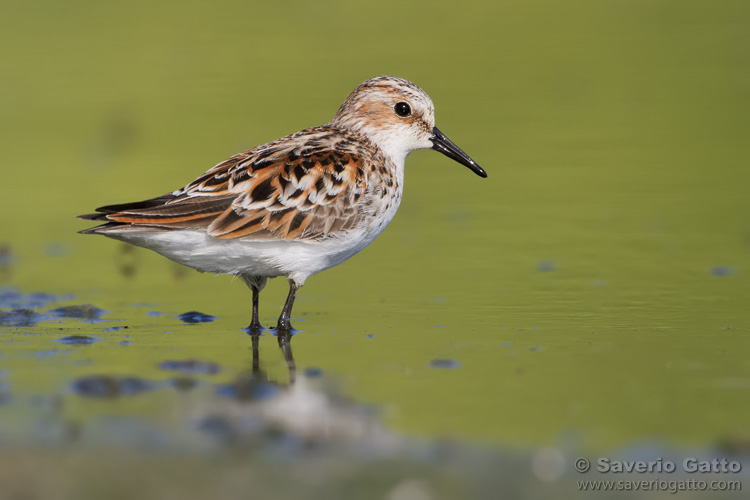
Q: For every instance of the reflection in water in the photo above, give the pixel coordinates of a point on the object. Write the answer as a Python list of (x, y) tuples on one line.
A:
[(257, 375), (256, 422), (118, 133), (127, 260), (299, 411), (6, 261), (285, 343)]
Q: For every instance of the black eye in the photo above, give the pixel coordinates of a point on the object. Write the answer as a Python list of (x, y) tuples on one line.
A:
[(402, 109)]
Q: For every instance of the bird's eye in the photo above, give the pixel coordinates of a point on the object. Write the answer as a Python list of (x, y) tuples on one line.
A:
[(402, 109)]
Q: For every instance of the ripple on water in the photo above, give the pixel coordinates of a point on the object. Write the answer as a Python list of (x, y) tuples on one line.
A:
[(51, 352)]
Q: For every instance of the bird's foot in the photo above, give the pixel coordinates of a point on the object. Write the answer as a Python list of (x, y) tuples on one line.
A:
[(284, 327), (254, 328)]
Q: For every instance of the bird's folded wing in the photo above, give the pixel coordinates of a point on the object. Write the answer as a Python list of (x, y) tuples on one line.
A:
[(273, 193)]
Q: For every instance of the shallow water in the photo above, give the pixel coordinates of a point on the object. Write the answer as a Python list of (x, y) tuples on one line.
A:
[(589, 297)]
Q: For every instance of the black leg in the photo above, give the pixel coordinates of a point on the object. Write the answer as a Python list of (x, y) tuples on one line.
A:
[(256, 284), (255, 322), (285, 323)]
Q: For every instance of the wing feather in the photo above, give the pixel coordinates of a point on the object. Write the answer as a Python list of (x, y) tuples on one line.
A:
[(306, 195), (299, 187)]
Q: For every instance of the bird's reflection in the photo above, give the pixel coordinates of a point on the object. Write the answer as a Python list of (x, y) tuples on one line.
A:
[(285, 344), (303, 410), (255, 383)]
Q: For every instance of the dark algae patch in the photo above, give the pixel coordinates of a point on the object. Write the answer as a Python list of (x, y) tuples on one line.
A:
[(191, 366), (445, 363), (84, 311), (10, 298), (21, 317), (196, 317), (105, 386), (78, 340)]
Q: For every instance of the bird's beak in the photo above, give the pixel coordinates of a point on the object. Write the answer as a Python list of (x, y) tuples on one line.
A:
[(445, 146)]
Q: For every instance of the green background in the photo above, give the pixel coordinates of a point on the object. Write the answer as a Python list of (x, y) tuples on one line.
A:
[(593, 288)]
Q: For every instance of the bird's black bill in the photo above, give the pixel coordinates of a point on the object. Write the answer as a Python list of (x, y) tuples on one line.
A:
[(445, 146)]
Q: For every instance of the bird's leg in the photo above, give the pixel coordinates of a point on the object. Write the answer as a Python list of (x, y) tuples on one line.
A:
[(256, 284), (285, 323), (255, 322)]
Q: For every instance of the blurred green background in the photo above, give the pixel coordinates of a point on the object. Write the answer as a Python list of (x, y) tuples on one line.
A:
[(594, 286)]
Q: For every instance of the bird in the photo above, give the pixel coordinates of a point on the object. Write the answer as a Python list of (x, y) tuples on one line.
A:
[(298, 205)]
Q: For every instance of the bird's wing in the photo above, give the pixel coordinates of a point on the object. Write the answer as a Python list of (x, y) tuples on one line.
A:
[(294, 189)]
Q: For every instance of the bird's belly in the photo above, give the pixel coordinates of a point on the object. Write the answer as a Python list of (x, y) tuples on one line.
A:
[(296, 259)]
